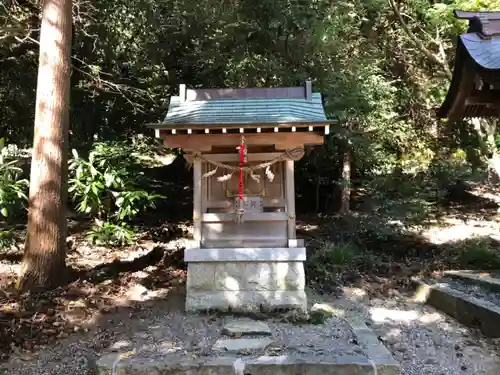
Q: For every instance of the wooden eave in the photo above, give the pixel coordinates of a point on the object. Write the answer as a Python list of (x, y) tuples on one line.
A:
[(194, 128)]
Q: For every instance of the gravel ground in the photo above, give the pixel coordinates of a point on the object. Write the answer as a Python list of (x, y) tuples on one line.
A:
[(331, 339), (427, 342), (474, 290)]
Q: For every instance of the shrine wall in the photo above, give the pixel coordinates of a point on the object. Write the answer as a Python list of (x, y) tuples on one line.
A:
[(219, 196), (260, 197)]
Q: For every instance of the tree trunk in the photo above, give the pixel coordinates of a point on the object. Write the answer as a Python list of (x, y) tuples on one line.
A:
[(317, 191), (45, 250), (345, 200), (485, 132), (345, 192), (494, 166)]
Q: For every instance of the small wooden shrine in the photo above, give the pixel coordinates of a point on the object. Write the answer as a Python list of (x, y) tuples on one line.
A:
[(475, 86), (242, 144)]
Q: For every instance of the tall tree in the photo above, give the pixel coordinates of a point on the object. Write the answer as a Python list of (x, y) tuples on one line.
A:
[(45, 251)]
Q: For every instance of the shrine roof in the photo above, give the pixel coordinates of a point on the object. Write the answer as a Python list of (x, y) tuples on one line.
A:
[(476, 74), (240, 108)]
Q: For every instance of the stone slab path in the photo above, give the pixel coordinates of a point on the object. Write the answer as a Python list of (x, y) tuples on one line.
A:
[(246, 346), (242, 327)]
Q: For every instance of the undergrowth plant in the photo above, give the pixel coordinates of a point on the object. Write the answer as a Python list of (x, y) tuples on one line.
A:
[(329, 260), (106, 233), (105, 185), (13, 187)]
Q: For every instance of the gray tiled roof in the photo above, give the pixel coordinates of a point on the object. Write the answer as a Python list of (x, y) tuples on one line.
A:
[(484, 51), (245, 111)]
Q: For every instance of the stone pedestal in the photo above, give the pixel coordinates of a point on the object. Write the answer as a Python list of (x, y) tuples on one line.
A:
[(246, 279)]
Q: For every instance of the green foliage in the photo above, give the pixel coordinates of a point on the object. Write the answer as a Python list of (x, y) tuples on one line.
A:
[(105, 185), (13, 188), (453, 168), (106, 233), (130, 56)]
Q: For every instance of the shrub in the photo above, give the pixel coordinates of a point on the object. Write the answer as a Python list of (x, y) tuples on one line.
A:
[(13, 188), (105, 185)]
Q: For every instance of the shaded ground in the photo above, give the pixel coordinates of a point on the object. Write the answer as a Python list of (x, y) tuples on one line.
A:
[(103, 280), (395, 239)]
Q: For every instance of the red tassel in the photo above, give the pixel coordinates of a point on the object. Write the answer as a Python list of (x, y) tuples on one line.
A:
[(240, 185)]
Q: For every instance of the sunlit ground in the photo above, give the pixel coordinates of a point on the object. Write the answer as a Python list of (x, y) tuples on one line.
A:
[(454, 230)]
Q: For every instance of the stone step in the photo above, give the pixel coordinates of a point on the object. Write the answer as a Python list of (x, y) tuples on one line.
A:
[(242, 345), (263, 365), (246, 327)]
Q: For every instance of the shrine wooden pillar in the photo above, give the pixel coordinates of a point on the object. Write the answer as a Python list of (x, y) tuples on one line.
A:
[(197, 200), (290, 198)]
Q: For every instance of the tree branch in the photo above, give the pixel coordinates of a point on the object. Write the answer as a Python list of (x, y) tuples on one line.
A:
[(418, 43)]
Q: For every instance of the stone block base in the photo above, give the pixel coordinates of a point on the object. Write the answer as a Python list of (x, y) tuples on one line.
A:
[(245, 280), (246, 301)]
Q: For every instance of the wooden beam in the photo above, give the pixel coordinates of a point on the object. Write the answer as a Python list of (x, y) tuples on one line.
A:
[(247, 216), (464, 89), (274, 202), (251, 157), (290, 198), (463, 14), (205, 167), (245, 93), (205, 142), (197, 200), (182, 92), (263, 125), (308, 87), (484, 97)]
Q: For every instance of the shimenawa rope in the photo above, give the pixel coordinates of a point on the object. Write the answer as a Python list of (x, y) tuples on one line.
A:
[(295, 153)]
